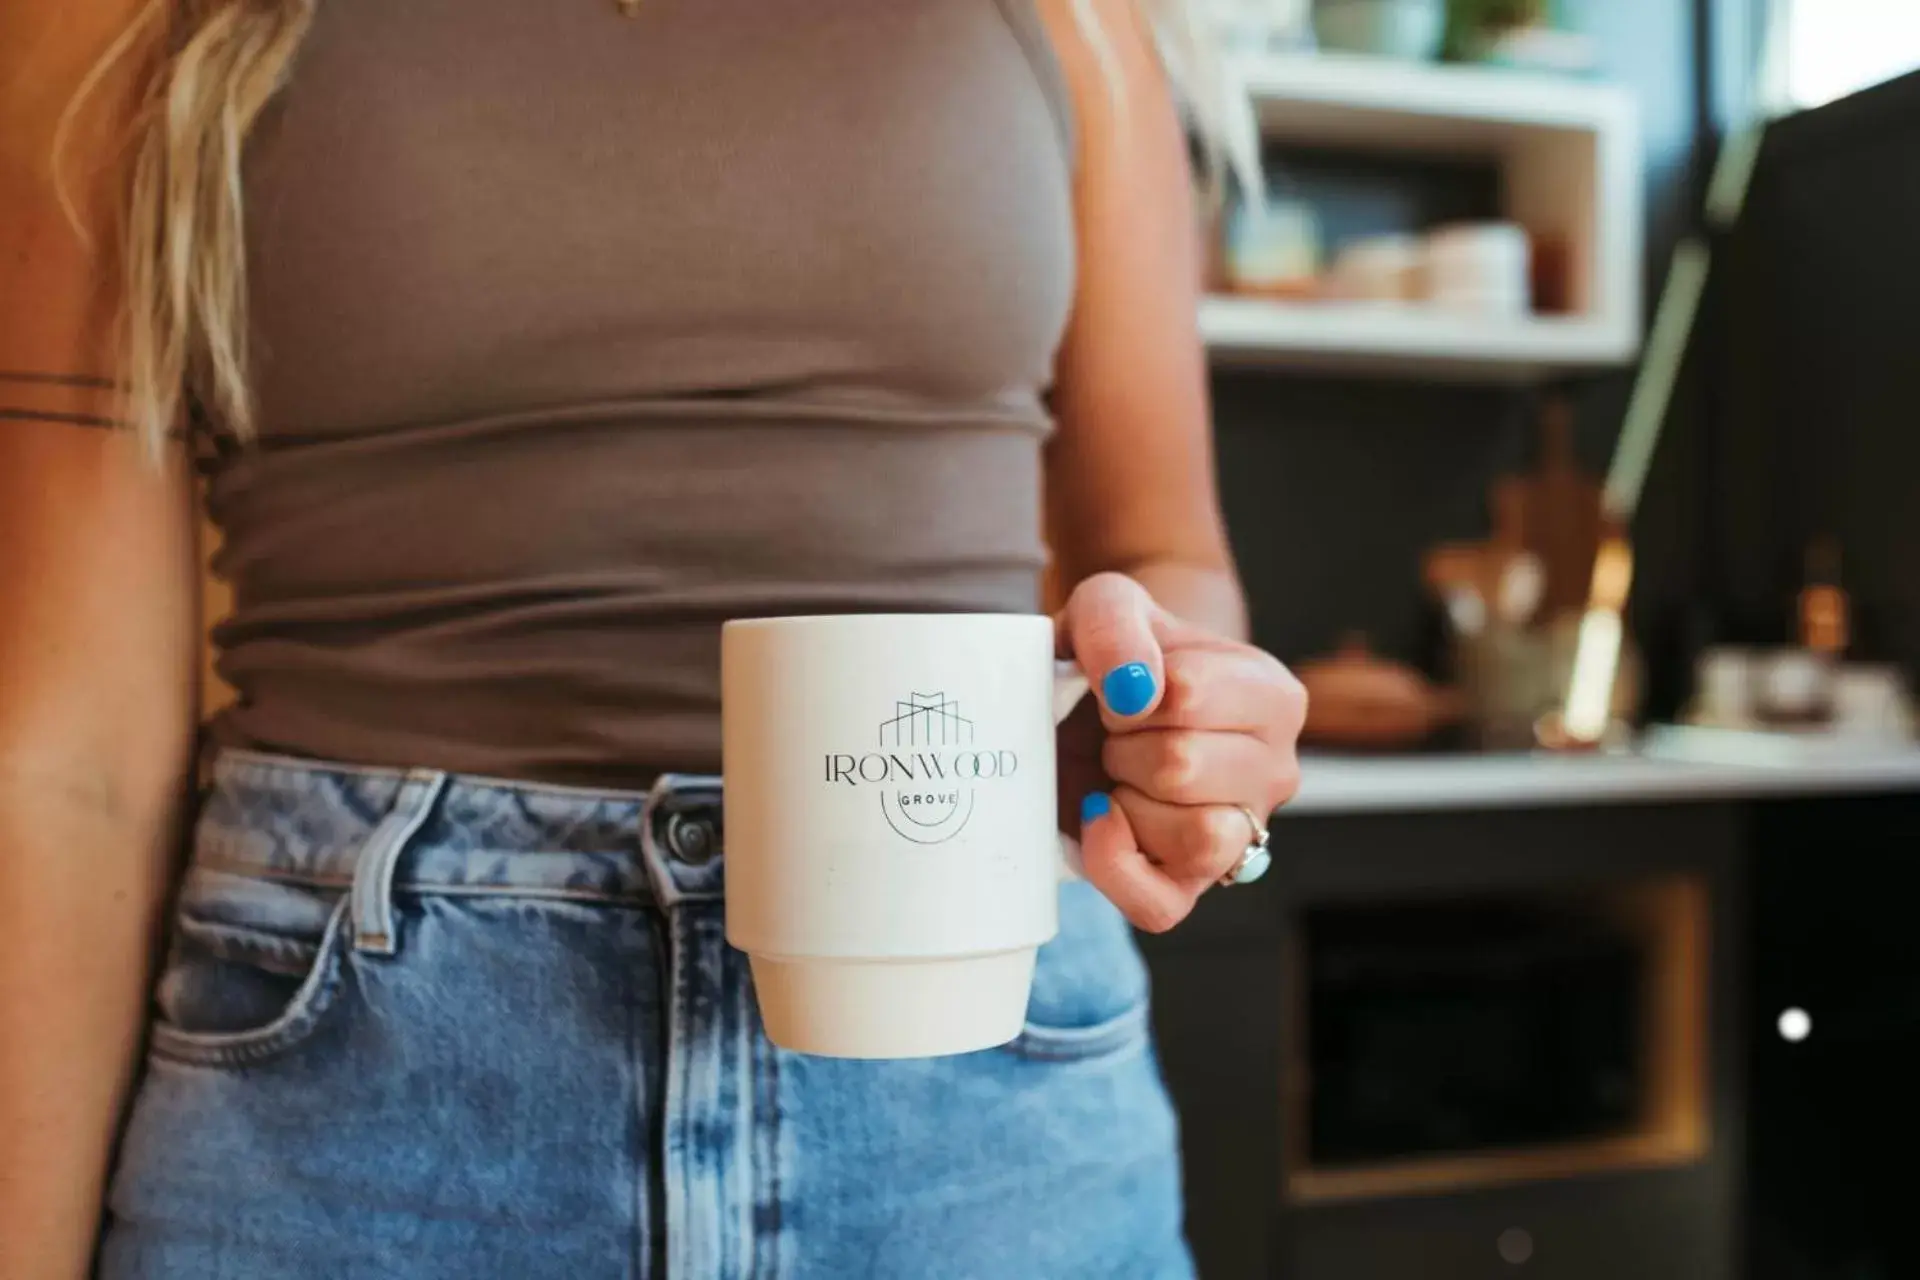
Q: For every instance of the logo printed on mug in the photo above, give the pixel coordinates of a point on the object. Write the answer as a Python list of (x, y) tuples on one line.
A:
[(927, 768)]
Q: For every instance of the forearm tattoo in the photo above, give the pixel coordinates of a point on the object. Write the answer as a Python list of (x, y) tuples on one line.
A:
[(10, 414), (19, 389), (62, 380)]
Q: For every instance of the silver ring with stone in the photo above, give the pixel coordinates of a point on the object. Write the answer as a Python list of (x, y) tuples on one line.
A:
[(1254, 862)]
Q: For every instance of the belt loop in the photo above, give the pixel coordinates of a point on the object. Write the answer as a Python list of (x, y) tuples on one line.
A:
[(373, 927)]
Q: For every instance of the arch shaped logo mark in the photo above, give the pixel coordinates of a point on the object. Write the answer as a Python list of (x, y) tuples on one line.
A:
[(927, 768), (930, 814)]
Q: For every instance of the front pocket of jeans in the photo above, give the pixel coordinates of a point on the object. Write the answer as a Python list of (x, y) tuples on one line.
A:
[(253, 968), (1118, 1034), (1089, 987)]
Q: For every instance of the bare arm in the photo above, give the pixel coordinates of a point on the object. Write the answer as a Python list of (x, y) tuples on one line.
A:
[(97, 660), (1195, 729), (1130, 484)]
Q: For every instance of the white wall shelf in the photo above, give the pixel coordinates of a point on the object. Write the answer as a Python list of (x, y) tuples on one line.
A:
[(1405, 341), (1382, 102), (1569, 156)]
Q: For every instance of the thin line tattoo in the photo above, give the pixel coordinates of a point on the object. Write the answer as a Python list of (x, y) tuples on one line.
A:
[(67, 419), (8, 414), (62, 380)]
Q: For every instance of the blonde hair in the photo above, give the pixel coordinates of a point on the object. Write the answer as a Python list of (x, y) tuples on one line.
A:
[(217, 63), (183, 332)]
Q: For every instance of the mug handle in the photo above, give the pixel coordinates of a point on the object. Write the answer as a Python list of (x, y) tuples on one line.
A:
[(1069, 686)]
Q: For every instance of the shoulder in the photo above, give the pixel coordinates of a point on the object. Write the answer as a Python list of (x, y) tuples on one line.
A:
[(1106, 52)]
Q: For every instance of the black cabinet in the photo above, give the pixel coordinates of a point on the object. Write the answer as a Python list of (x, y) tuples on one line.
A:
[(1834, 1117), (1642, 1227), (1657, 1199)]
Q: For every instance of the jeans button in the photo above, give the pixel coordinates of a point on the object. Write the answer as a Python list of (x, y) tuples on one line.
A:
[(692, 838)]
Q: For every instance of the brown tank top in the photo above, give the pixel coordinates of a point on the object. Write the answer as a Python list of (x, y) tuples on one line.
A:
[(577, 335)]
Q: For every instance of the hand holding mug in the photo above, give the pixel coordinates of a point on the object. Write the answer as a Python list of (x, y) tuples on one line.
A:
[(1200, 732), (892, 862)]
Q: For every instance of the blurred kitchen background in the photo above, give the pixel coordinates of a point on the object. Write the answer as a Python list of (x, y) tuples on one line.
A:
[(1567, 383)]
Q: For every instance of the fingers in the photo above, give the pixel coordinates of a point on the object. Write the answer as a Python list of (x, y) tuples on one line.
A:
[(1193, 845), (1111, 859), (1234, 688), (1194, 767), (1197, 725), (1108, 628)]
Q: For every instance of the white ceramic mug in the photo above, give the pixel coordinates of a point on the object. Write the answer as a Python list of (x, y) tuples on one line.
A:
[(893, 853)]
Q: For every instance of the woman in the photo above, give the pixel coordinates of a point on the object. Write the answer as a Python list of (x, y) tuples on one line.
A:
[(554, 336)]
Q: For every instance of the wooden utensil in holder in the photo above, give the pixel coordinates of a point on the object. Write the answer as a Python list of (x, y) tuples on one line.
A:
[(1514, 602)]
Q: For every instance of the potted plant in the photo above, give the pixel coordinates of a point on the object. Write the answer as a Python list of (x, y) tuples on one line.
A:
[(1537, 34)]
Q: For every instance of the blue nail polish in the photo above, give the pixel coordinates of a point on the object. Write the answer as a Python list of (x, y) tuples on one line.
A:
[(1128, 688), (1096, 806)]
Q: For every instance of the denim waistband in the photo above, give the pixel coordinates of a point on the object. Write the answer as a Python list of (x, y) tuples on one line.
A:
[(379, 830)]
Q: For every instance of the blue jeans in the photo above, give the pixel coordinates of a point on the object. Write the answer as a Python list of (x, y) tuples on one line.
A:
[(414, 1025)]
